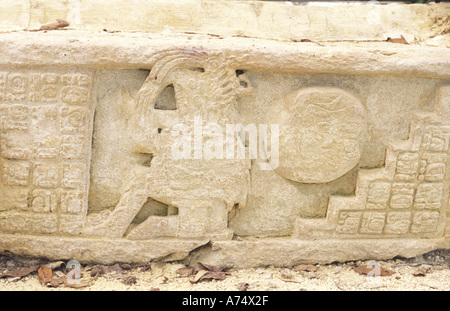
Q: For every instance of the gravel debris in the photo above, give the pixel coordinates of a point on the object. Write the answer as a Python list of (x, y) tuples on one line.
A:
[(429, 272)]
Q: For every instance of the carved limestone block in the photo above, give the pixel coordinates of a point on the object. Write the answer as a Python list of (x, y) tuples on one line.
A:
[(46, 134)]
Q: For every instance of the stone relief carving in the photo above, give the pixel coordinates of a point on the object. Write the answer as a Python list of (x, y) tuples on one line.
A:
[(45, 141), (46, 124), (46, 132), (408, 197), (198, 192)]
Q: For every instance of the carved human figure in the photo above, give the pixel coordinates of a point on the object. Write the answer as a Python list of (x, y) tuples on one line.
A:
[(199, 191)]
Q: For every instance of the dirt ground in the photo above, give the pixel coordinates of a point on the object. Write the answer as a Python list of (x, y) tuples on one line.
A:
[(428, 272)]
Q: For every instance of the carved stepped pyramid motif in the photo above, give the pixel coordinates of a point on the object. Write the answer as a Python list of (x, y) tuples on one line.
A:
[(406, 198), (175, 133)]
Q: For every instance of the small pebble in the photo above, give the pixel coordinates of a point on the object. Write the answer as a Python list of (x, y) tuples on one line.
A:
[(287, 274), (309, 275), (10, 264), (259, 271)]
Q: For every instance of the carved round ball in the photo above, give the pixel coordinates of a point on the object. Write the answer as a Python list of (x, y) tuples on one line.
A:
[(321, 133)]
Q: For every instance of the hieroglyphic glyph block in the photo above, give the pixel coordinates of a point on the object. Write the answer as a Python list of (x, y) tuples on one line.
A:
[(45, 137)]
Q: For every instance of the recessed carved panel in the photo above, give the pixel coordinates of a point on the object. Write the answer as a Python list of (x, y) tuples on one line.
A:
[(184, 145)]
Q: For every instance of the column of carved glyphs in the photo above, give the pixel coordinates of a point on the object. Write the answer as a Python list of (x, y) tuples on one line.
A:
[(45, 141)]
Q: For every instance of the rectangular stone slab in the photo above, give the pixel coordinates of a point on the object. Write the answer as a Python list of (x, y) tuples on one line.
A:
[(87, 168), (267, 252), (112, 50)]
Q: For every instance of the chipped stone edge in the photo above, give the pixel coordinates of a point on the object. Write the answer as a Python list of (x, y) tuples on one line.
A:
[(100, 250), (281, 252)]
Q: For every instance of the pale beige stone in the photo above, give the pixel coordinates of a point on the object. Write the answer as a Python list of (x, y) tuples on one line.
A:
[(322, 133), (408, 196), (263, 19), (88, 169)]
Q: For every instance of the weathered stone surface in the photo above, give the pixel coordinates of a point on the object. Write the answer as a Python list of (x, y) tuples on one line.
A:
[(146, 138), (290, 252), (106, 251), (263, 19), (407, 197), (45, 150), (322, 133)]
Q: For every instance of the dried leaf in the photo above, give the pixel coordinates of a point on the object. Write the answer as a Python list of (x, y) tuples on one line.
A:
[(206, 272), (114, 268), (373, 271), (213, 275), (242, 286), (419, 272), (362, 269), (19, 272), (57, 282), (131, 280), (58, 274), (60, 23), (213, 268), (186, 271), (308, 268), (99, 270), (305, 40), (54, 265), (398, 40), (45, 274), (201, 266), (198, 276)]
